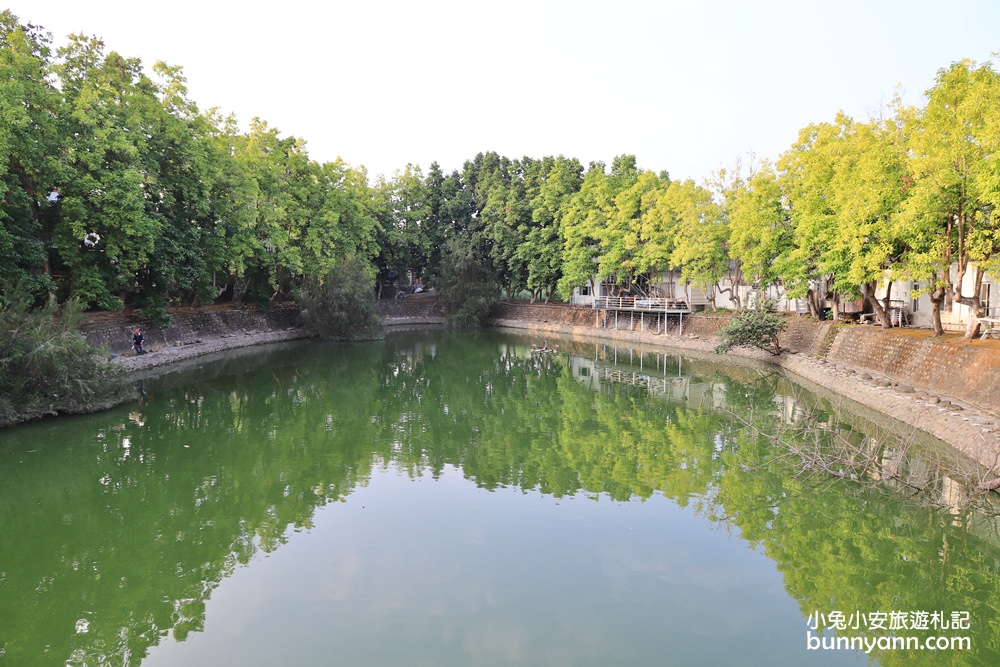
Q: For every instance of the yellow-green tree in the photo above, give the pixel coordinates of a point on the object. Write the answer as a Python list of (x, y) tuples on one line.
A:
[(951, 209)]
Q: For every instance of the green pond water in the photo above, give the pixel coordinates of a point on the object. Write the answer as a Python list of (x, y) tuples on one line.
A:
[(455, 499)]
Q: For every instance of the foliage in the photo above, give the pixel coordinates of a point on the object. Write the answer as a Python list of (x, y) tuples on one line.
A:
[(118, 190), (47, 366), (951, 210), (467, 290), (342, 305), (154, 307), (582, 225), (755, 328), (759, 229)]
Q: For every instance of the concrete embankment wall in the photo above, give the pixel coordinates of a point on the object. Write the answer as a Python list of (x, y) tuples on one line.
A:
[(968, 371), (113, 331)]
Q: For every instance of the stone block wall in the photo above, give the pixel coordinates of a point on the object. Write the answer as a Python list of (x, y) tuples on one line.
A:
[(414, 306), (969, 370), (553, 313), (698, 324), (965, 370), (113, 331)]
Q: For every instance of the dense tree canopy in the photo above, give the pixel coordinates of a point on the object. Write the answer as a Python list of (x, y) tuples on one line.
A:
[(119, 190)]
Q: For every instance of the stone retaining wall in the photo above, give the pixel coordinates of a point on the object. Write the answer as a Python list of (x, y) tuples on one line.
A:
[(418, 305), (114, 331), (968, 370)]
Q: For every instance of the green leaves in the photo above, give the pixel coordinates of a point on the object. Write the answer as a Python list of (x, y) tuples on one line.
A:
[(188, 206), (46, 366), (342, 305), (755, 328)]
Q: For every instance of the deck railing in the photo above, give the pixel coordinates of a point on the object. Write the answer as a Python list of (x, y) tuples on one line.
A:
[(651, 304)]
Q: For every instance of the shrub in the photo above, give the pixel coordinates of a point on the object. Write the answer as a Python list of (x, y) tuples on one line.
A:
[(47, 366), (466, 289), (342, 305), (754, 329)]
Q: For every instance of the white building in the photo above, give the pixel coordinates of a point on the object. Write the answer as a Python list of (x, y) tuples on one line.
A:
[(910, 307)]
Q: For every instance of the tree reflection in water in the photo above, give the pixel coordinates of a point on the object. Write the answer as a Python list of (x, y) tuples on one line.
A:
[(118, 526)]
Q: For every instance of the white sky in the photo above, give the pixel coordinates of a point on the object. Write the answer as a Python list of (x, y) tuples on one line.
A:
[(685, 86)]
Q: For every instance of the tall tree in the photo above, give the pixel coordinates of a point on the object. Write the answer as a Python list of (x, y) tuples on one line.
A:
[(403, 240), (542, 250), (620, 240), (700, 240), (759, 227), (106, 234), (808, 169), (582, 226), (30, 141), (954, 144), (868, 189), (179, 196)]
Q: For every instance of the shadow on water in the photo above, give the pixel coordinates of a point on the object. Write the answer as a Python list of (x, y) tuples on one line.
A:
[(118, 527)]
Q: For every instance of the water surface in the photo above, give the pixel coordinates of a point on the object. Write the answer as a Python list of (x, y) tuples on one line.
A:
[(455, 499)]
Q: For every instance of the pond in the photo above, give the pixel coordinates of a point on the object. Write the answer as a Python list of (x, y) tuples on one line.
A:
[(457, 499)]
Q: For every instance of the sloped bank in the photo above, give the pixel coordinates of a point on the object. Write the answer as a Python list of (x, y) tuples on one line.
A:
[(192, 332), (944, 387), (196, 332)]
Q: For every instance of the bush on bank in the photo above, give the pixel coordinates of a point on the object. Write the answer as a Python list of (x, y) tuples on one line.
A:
[(758, 328), (467, 290), (342, 305), (48, 367)]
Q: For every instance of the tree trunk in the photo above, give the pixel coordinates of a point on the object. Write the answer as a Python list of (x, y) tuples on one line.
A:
[(868, 292), (973, 302), (734, 297), (813, 305), (972, 328), (937, 300), (887, 306)]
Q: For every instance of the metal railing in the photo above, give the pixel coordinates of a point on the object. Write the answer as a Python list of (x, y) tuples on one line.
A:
[(641, 303)]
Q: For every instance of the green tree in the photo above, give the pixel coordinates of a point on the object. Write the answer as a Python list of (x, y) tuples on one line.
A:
[(467, 287), (699, 247), (106, 235), (341, 306), (621, 240), (30, 141), (869, 189), (342, 223), (542, 250), (179, 182), (759, 227), (951, 208), (278, 187), (582, 226), (404, 213), (807, 171)]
